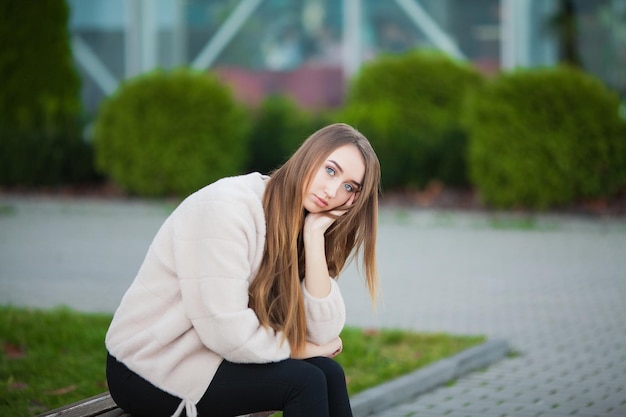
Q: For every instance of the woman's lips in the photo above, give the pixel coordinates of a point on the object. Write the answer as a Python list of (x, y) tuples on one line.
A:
[(320, 202)]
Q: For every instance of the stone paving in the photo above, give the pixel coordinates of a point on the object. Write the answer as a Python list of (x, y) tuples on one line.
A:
[(553, 287)]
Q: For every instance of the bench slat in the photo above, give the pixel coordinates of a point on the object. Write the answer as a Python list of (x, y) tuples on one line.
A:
[(101, 405)]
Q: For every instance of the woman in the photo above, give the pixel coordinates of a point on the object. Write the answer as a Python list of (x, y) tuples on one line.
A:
[(234, 309)]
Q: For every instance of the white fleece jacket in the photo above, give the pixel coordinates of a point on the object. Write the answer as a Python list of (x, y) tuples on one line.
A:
[(187, 308)]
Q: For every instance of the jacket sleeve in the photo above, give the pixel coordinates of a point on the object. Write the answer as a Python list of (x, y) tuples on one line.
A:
[(325, 317), (214, 245)]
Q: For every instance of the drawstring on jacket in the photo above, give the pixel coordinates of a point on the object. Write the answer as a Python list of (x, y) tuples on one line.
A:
[(189, 407)]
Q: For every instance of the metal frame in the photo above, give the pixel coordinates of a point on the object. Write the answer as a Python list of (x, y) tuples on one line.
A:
[(141, 37)]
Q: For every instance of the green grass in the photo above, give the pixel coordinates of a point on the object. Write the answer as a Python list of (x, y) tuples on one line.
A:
[(372, 357), (49, 358), (7, 210)]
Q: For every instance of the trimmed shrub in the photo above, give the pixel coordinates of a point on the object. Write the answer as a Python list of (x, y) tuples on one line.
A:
[(409, 106), (40, 141), (279, 127), (545, 137), (170, 133)]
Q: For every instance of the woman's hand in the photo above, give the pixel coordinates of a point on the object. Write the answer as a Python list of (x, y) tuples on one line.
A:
[(311, 350), (320, 222)]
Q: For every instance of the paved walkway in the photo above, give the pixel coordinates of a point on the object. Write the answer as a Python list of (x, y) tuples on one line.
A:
[(554, 287)]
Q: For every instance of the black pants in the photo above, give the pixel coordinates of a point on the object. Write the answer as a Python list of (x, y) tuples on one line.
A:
[(313, 387)]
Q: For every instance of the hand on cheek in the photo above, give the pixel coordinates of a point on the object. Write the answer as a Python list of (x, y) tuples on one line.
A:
[(351, 200)]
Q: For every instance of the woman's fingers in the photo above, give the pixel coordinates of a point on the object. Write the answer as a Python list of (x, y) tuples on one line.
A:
[(336, 346)]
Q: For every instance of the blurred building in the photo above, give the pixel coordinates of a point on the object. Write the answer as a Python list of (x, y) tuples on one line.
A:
[(309, 49)]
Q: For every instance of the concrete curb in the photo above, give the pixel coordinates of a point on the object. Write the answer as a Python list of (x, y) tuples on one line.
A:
[(409, 386)]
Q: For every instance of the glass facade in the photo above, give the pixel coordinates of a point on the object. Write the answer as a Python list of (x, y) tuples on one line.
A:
[(309, 48), (601, 41)]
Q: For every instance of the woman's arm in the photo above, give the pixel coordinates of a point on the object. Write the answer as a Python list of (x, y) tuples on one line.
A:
[(214, 241), (324, 305), (316, 279), (311, 350)]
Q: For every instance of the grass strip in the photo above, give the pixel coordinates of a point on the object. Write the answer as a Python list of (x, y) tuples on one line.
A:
[(49, 358)]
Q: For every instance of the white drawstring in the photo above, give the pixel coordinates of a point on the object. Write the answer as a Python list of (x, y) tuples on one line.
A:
[(190, 408)]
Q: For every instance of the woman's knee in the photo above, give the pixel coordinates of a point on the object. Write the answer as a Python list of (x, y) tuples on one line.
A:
[(313, 376), (331, 369)]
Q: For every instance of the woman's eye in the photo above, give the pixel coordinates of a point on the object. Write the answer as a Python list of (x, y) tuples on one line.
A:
[(348, 188), (330, 171)]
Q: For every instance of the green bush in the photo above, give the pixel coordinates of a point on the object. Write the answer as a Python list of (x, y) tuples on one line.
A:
[(40, 141), (279, 127), (409, 106), (545, 137), (169, 133)]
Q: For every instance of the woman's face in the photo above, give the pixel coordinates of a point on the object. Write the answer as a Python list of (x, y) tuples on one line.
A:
[(337, 179)]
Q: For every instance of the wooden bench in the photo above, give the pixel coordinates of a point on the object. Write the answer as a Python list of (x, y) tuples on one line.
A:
[(102, 405)]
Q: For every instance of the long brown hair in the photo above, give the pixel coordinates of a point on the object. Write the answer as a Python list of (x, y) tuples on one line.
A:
[(275, 293)]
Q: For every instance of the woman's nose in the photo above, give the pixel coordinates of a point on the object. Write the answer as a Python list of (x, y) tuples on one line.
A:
[(331, 190)]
